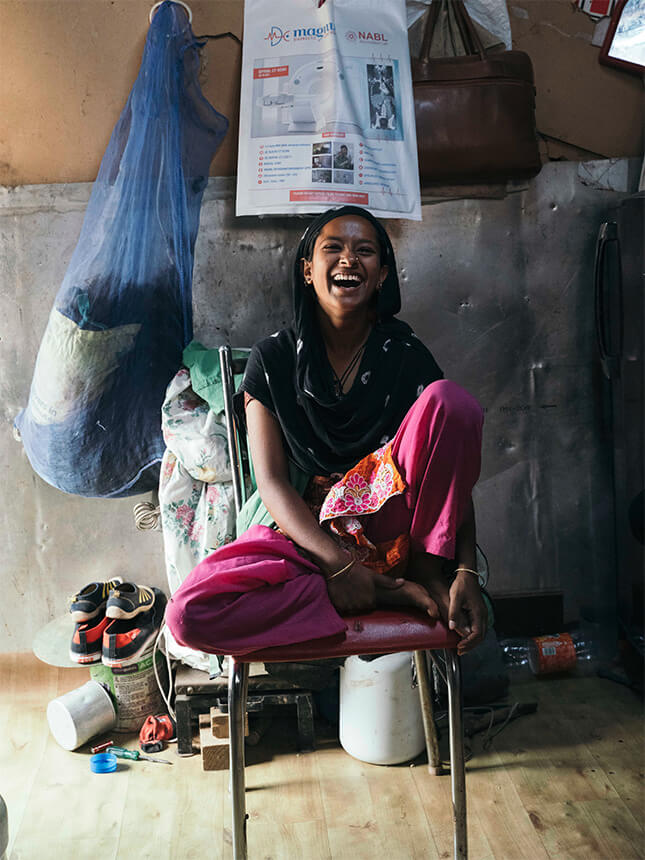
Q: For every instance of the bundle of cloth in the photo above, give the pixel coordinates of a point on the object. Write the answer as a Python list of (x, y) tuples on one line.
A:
[(195, 489)]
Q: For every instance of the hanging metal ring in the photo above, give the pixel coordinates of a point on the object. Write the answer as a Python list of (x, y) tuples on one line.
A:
[(179, 3)]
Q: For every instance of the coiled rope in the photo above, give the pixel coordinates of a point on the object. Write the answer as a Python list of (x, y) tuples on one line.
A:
[(146, 515)]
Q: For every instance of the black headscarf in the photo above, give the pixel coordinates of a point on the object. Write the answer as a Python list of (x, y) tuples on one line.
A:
[(290, 374)]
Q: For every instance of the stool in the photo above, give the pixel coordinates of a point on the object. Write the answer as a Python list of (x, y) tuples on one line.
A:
[(196, 693)]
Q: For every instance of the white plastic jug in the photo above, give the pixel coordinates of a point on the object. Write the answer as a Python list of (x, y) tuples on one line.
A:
[(380, 711)]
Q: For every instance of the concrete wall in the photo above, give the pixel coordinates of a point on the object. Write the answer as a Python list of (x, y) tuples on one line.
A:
[(499, 289)]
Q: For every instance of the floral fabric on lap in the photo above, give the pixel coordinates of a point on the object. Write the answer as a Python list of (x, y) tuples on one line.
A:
[(360, 492)]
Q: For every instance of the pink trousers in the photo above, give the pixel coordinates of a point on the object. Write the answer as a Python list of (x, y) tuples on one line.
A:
[(258, 591)]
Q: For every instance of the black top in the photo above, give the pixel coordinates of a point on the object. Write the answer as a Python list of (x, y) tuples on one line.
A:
[(289, 373)]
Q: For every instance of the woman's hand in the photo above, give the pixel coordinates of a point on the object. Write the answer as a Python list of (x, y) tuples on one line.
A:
[(460, 605), (467, 613), (360, 589)]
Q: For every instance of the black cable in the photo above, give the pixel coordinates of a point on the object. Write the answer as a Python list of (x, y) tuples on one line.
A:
[(227, 35)]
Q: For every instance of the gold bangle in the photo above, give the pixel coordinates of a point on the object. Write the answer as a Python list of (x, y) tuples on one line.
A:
[(342, 570), (467, 570)]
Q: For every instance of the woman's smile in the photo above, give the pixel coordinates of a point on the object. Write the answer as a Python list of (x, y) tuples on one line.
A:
[(346, 281)]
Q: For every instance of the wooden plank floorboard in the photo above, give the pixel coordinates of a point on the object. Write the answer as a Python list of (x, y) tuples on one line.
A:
[(601, 718), (587, 829), (396, 799), (565, 783), (34, 846), (203, 814), (290, 781), (352, 821), (284, 803), (27, 685), (500, 812), (284, 798), (310, 839), (621, 835), (436, 800), (96, 802), (577, 777), (538, 769)]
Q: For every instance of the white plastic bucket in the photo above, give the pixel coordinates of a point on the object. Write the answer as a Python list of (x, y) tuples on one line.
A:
[(80, 715), (380, 711)]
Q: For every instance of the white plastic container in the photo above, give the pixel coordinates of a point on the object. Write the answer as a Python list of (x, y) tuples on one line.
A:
[(380, 711), (80, 715)]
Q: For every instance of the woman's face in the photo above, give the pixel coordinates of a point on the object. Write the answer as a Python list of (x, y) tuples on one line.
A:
[(345, 269)]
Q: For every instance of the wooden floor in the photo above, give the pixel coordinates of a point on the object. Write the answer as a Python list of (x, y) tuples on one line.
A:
[(566, 782)]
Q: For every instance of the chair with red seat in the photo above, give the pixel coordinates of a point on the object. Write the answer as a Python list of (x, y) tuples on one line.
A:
[(384, 631)]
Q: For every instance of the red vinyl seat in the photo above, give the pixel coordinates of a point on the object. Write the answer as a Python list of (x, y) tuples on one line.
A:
[(379, 632)]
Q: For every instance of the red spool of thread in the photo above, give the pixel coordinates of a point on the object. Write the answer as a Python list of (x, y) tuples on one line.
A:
[(549, 654)]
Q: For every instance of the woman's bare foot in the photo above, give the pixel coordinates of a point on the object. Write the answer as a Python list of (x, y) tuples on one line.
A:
[(408, 594), (427, 570)]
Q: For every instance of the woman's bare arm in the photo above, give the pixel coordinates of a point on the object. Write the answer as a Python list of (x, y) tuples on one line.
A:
[(467, 612), (355, 591), (465, 552), (283, 503)]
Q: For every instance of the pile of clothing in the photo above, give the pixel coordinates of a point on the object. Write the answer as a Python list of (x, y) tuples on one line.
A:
[(195, 487)]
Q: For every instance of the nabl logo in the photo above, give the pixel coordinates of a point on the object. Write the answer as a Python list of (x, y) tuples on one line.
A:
[(365, 36)]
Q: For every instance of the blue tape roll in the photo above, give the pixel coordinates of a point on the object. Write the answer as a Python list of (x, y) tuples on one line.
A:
[(103, 762)]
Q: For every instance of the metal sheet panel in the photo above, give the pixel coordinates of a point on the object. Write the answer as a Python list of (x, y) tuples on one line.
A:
[(501, 291)]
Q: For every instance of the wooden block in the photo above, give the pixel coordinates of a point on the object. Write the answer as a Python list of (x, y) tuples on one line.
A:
[(214, 750), (219, 723)]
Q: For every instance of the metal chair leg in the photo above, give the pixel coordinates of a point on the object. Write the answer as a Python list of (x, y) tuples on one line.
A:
[(457, 765), (427, 712), (238, 674)]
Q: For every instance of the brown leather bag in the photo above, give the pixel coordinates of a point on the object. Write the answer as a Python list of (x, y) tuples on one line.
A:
[(475, 113)]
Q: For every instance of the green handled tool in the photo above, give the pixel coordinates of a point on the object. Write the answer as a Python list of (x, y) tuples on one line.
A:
[(135, 755)]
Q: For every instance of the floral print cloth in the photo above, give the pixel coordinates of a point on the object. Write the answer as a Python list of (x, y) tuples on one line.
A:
[(195, 489), (364, 490)]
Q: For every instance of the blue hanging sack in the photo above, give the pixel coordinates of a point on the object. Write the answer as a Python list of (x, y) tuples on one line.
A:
[(123, 313)]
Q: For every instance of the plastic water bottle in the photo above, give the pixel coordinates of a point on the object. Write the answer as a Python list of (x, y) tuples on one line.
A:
[(543, 655), (515, 655), (586, 655)]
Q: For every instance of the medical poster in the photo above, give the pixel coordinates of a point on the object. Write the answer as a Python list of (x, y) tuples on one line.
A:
[(326, 109)]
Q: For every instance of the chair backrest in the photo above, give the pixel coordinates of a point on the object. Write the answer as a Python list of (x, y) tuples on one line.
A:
[(232, 364)]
